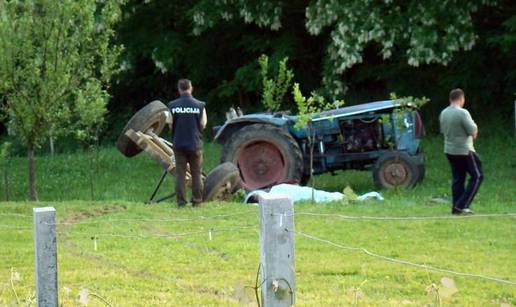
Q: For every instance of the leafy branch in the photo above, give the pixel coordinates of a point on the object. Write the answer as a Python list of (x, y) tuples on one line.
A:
[(275, 88)]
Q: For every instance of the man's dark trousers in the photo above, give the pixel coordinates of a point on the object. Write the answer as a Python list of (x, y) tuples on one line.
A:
[(194, 159), (462, 165)]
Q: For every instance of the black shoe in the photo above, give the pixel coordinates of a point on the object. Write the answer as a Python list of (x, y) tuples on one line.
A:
[(180, 206), (196, 205)]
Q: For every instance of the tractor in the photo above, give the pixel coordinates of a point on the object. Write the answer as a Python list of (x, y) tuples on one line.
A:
[(264, 149), (382, 136)]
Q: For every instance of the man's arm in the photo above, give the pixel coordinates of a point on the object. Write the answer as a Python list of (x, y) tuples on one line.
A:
[(204, 119), (475, 133), (469, 125)]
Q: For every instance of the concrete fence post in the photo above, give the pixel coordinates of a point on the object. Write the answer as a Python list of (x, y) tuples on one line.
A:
[(45, 256), (277, 250)]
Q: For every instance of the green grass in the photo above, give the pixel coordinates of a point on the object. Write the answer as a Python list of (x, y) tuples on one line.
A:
[(192, 270)]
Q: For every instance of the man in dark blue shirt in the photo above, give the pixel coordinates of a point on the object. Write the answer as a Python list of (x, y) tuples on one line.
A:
[(188, 121)]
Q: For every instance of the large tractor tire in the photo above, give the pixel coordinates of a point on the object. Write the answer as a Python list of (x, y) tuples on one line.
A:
[(397, 169), (221, 182), (265, 155), (149, 117)]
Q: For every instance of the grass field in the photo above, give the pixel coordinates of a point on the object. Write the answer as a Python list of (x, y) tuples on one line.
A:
[(161, 256)]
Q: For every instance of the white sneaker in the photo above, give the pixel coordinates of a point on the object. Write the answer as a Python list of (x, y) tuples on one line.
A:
[(467, 211)]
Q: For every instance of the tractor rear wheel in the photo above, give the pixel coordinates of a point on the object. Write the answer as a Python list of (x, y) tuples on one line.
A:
[(265, 155), (396, 169), (149, 117)]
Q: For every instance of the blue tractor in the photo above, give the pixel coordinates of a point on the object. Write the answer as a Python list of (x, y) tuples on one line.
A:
[(381, 136)]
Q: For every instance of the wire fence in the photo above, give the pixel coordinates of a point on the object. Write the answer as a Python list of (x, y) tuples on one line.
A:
[(154, 220), (407, 218), (209, 231), (206, 232), (404, 262)]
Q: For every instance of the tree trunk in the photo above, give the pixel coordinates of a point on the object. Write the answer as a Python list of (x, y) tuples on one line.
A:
[(93, 167), (33, 194), (6, 179), (51, 141), (311, 139)]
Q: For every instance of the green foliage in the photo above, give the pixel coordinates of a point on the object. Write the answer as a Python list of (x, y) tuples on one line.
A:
[(167, 40), (275, 88), (91, 105), (407, 104), (308, 107), (426, 31), (5, 153), (207, 13), (409, 101), (56, 62), (430, 33)]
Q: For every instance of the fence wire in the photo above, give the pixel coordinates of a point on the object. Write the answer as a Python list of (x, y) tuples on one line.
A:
[(405, 262), (153, 220), (14, 227), (15, 214), (407, 218), (207, 232)]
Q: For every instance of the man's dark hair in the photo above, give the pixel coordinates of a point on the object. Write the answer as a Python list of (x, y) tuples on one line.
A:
[(456, 94), (184, 84)]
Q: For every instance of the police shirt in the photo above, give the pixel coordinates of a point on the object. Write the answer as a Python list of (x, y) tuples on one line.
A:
[(186, 122)]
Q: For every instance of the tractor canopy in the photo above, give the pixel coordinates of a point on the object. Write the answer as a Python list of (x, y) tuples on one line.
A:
[(371, 107)]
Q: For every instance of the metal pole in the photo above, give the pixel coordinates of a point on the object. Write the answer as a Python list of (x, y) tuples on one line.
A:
[(158, 185), (277, 250), (45, 252)]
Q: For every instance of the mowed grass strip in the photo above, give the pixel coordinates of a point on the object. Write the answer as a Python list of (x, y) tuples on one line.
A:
[(163, 256)]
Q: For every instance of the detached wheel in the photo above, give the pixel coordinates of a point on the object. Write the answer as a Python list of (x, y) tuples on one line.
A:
[(221, 182), (149, 117), (396, 169), (265, 155)]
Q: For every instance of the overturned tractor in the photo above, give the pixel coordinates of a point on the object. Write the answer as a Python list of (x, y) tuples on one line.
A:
[(383, 136)]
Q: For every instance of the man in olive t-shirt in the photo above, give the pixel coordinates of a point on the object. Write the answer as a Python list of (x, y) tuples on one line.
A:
[(459, 131)]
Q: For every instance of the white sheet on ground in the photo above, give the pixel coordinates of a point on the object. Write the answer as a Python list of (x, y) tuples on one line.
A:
[(300, 193)]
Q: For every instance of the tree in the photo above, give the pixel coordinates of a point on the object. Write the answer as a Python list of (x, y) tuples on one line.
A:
[(423, 32), (307, 109), (275, 88), (55, 64), (216, 43)]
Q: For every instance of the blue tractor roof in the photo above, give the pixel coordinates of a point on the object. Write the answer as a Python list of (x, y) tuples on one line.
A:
[(357, 109)]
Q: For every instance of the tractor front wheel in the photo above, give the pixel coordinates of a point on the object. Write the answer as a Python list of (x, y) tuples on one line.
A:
[(396, 169), (151, 117), (265, 155)]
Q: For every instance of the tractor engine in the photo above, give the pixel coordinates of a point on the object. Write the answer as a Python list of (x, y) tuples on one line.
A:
[(360, 135)]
